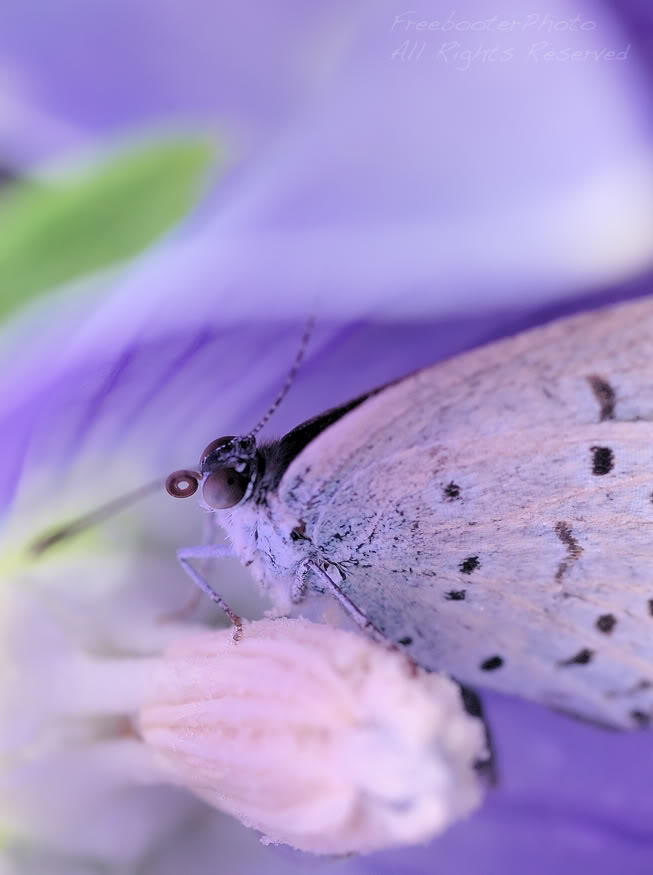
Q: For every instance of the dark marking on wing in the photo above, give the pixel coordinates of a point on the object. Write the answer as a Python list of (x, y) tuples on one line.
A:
[(606, 623), (650, 607), (583, 657), (468, 565), (451, 491), (574, 550), (492, 663), (406, 641), (549, 394), (642, 718), (602, 460), (455, 595), (605, 395)]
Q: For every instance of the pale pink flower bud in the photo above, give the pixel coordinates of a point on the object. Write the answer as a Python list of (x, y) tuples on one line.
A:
[(315, 736)]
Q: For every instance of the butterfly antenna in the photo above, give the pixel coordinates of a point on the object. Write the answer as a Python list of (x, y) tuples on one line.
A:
[(290, 379), (105, 511), (93, 518)]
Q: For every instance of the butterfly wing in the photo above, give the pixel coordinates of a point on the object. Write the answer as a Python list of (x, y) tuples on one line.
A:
[(494, 513)]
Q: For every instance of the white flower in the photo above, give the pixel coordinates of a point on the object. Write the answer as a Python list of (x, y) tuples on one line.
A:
[(318, 737), (363, 754), (80, 632)]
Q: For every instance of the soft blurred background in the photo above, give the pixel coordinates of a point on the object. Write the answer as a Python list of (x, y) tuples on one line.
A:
[(182, 184)]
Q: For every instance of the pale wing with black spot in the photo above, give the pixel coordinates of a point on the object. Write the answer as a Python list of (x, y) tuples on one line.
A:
[(494, 513)]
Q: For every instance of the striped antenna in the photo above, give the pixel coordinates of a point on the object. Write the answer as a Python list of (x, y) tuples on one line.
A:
[(75, 527), (290, 379)]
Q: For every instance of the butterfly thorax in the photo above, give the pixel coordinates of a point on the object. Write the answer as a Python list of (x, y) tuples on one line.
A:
[(272, 548)]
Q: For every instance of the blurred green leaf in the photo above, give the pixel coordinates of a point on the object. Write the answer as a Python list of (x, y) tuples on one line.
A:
[(52, 232)]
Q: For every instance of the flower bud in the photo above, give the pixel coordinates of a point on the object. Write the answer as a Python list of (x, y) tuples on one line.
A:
[(317, 737)]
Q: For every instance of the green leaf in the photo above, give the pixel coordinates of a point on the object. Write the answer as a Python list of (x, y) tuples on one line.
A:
[(52, 232)]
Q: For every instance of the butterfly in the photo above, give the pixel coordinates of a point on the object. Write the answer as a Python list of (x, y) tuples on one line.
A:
[(492, 515)]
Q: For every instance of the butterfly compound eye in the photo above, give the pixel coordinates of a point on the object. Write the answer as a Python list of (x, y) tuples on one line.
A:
[(224, 488), (182, 484)]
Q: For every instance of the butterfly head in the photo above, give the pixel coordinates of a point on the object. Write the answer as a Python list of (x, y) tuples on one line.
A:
[(227, 473)]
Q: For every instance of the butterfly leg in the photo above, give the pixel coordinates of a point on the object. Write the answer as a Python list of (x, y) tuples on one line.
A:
[(485, 766), (355, 613), (210, 551), (300, 583)]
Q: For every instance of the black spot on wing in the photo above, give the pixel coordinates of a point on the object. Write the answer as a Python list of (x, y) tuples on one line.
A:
[(451, 491), (650, 607), (406, 641), (455, 595), (641, 718), (606, 623), (605, 395), (492, 663), (467, 566), (602, 460), (583, 657)]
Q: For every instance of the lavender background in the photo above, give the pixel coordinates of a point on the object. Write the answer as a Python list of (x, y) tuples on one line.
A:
[(419, 208)]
